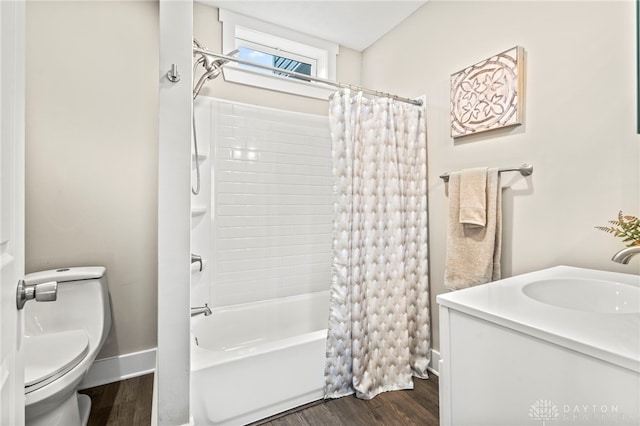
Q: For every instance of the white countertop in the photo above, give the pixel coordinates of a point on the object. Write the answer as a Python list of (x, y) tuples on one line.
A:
[(612, 337)]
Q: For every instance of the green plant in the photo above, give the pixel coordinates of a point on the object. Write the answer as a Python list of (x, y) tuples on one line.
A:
[(626, 227)]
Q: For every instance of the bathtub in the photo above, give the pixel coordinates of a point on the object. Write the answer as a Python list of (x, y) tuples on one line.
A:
[(255, 360)]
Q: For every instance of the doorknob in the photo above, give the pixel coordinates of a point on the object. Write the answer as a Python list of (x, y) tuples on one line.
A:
[(44, 292)]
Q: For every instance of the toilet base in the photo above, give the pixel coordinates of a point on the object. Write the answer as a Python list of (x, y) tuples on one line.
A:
[(84, 403), (73, 411)]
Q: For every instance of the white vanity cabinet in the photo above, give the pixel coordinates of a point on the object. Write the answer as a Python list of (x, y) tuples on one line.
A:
[(507, 359)]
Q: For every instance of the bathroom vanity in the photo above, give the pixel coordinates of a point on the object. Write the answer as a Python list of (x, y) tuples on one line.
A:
[(558, 346)]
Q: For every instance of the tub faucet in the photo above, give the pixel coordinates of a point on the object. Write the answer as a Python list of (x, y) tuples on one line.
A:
[(196, 259), (625, 255), (200, 310)]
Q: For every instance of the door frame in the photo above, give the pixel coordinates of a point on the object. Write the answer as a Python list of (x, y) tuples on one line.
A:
[(12, 126)]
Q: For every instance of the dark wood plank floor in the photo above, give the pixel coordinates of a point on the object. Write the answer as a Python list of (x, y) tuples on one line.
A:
[(128, 403), (124, 403), (410, 407)]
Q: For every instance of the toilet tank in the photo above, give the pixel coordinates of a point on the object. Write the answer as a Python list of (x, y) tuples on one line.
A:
[(82, 303)]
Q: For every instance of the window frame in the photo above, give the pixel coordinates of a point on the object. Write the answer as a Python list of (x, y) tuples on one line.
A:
[(242, 31)]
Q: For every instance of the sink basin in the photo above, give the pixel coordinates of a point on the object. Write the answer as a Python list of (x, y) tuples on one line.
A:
[(600, 296)]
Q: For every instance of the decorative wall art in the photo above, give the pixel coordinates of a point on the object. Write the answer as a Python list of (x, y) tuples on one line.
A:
[(489, 94)]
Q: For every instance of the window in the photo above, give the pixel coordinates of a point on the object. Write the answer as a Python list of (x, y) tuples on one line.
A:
[(277, 47), (283, 60)]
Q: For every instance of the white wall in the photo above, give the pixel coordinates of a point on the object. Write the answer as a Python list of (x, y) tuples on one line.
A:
[(91, 152), (173, 372), (579, 131)]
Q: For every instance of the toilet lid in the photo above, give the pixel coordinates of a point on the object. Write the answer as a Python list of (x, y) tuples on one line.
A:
[(49, 356)]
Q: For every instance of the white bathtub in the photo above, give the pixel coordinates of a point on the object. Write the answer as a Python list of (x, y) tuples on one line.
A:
[(255, 360)]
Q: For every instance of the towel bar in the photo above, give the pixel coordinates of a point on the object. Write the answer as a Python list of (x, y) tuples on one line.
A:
[(525, 170)]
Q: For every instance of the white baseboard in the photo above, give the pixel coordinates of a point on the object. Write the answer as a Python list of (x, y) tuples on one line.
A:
[(434, 366), (109, 370)]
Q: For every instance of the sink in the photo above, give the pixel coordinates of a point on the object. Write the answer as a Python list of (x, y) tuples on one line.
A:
[(589, 295)]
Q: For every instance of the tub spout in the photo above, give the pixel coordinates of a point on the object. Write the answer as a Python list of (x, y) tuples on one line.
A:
[(201, 310), (625, 255)]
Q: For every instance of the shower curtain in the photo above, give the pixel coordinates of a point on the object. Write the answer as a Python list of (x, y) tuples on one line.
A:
[(378, 334)]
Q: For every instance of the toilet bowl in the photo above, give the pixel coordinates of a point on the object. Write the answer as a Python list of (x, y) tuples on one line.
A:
[(61, 341)]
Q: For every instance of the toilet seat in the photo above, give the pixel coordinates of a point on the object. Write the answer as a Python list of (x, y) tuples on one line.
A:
[(50, 356)]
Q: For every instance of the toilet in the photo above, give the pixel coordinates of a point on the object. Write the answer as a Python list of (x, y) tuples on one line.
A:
[(61, 341)]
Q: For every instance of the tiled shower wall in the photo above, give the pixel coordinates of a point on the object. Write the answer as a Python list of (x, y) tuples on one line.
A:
[(269, 215)]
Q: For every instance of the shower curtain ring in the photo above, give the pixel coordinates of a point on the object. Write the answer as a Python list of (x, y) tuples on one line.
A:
[(173, 75)]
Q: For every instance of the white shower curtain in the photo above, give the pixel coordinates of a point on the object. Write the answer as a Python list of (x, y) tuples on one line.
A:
[(378, 334)]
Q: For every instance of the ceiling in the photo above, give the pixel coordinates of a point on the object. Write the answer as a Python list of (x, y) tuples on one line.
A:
[(353, 24)]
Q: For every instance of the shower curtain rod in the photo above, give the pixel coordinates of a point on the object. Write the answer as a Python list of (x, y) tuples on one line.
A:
[(308, 77)]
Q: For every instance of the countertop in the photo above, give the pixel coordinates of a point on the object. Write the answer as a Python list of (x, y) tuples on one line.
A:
[(612, 337)]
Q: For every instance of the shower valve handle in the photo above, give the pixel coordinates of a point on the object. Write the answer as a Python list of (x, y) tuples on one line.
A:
[(196, 259)]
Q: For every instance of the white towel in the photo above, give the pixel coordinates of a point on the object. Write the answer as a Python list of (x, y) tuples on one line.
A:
[(473, 197), (473, 253)]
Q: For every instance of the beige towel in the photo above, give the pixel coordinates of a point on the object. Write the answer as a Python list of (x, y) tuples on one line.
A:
[(473, 197), (473, 254)]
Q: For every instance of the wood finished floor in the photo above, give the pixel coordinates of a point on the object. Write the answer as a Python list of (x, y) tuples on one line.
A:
[(128, 403), (400, 408), (124, 403)]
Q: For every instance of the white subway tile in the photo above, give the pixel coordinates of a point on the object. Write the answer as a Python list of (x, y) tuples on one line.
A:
[(272, 203)]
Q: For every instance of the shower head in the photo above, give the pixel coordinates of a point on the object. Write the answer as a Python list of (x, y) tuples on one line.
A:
[(213, 68), (209, 62)]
